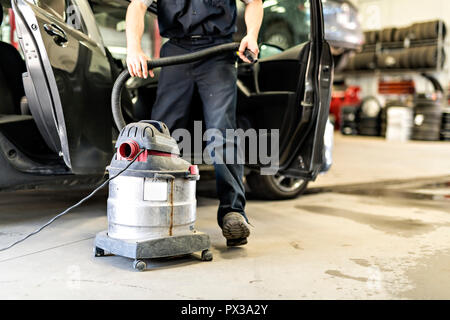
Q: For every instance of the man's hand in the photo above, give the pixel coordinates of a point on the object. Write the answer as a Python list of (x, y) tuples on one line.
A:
[(253, 18), (249, 42), (137, 64), (136, 58)]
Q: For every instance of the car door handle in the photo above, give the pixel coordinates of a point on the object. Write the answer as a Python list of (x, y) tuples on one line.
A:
[(58, 34)]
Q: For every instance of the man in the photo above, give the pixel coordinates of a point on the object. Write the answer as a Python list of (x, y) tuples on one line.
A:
[(193, 25)]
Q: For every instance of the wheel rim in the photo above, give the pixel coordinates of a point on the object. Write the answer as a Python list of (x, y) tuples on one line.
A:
[(287, 184)]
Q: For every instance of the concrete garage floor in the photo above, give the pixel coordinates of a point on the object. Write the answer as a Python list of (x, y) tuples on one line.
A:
[(376, 227)]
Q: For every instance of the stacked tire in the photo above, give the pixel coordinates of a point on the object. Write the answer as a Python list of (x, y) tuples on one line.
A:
[(369, 117), (427, 30), (445, 130), (371, 37), (422, 51), (427, 119), (401, 34), (425, 57), (388, 34), (362, 61), (349, 120), (412, 58), (418, 31), (389, 60)]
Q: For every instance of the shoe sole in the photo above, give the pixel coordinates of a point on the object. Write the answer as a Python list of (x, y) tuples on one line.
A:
[(234, 229), (236, 242)]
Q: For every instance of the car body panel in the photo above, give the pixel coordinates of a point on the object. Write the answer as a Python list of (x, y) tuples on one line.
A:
[(39, 81), (72, 106)]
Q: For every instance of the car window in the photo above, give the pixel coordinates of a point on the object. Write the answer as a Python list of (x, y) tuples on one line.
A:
[(111, 22), (286, 23), (64, 10)]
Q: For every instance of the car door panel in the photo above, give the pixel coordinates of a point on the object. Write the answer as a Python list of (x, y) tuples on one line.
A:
[(308, 156), (304, 73), (308, 159), (276, 94), (39, 83), (72, 106)]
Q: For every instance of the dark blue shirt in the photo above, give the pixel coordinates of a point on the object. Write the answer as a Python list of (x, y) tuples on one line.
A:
[(185, 18)]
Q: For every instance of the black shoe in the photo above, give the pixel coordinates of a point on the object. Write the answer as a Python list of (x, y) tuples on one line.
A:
[(235, 229)]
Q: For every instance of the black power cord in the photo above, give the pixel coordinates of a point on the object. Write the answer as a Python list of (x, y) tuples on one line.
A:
[(72, 207)]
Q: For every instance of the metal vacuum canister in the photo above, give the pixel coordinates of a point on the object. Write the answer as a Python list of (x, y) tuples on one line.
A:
[(155, 197)]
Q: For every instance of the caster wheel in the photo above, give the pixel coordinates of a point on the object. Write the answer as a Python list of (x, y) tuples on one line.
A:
[(139, 265), (99, 252), (207, 255)]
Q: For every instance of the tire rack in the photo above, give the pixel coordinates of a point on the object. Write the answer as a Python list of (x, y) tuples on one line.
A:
[(380, 48)]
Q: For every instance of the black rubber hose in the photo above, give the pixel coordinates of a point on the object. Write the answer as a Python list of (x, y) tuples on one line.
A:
[(435, 82), (162, 62)]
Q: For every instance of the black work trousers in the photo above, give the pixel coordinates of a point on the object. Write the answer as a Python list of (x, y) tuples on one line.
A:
[(215, 80)]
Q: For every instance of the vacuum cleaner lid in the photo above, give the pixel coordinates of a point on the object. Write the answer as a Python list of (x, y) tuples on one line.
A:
[(149, 135), (160, 153)]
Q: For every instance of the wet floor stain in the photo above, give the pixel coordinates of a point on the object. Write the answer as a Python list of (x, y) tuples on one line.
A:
[(254, 281), (417, 206), (337, 273), (295, 245), (430, 278), (423, 195), (393, 193), (384, 269), (361, 262), (387, 224)]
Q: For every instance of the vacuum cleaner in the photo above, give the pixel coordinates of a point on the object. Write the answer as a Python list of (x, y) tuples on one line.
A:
[(152, 205)]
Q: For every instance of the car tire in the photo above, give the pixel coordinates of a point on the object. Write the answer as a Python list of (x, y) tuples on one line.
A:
[(276, 187), (280, 35)]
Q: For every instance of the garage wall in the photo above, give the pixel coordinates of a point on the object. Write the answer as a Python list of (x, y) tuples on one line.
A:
[(377, 14)]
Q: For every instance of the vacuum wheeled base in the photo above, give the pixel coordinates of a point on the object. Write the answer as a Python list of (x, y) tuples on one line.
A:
[(153, 248)]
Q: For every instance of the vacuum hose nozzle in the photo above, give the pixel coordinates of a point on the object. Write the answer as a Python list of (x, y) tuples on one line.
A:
[(128, 150), (163, 62)]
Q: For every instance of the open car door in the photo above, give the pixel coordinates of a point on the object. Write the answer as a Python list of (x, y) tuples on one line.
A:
[(68, 80), (291, 91)]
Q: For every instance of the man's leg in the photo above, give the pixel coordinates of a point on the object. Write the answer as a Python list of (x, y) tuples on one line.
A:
[(216, 81), (175, 91)]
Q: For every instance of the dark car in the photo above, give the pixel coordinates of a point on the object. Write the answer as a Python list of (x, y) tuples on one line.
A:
[(61, 129)]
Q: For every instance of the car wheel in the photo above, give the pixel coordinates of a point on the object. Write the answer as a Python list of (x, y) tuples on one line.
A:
[(277, 187), (279, 34)]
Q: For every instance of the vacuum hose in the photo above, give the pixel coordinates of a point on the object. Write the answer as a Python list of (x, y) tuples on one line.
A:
[(164, 62)]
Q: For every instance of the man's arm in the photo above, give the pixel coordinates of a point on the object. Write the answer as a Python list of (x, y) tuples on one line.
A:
[(136, 58), (254, 13)]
